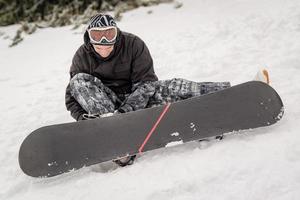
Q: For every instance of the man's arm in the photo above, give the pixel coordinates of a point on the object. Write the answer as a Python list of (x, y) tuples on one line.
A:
[(72, 105), (143, 78)]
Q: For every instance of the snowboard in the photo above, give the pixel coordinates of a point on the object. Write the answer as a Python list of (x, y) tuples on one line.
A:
[(56, 149)]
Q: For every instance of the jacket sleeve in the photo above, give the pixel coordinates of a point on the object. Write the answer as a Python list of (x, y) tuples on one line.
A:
[(72, 105), (143, 78)]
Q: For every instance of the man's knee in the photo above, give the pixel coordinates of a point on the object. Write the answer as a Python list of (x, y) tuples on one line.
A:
[(83, 79), (80, 77)]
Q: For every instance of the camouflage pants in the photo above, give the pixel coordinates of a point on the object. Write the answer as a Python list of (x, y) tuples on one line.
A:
[(96, 98)]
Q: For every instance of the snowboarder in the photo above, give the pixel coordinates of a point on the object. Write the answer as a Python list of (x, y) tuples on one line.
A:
[(112, 73)]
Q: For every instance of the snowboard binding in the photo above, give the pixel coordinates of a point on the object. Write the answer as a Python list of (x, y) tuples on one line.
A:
[(124, 161)]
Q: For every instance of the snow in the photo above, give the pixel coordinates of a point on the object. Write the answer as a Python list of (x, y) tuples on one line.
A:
[(175, 134), (175, 143), (203, 41)]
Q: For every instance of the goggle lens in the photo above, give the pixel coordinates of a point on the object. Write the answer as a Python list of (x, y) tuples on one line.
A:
[(97, 35)]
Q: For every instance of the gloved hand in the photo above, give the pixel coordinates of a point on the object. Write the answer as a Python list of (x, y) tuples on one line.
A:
[(116, 112), (107, 115), (87, 116), (80, 118), (125, 108)]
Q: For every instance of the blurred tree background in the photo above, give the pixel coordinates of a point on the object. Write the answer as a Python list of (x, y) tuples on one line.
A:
[(33, 14), (63, 12)]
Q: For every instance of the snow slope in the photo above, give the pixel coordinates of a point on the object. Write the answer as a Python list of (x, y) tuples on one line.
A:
[(204, 40)]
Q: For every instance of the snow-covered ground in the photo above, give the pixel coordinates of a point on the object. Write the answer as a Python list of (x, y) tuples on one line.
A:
[(205, 40)]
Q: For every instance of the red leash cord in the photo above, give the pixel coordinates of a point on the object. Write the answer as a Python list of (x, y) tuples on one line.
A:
[(154, 127)]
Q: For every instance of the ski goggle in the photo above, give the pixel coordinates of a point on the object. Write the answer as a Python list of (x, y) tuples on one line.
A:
[(103, 36)]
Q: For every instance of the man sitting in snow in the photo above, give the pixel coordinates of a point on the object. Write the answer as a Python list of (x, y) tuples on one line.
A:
[(112, 72)]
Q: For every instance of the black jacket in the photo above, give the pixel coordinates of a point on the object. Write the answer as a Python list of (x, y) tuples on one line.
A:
[(126, 70)]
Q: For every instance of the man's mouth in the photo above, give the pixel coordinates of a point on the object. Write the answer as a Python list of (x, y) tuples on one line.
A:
[(103, 49)]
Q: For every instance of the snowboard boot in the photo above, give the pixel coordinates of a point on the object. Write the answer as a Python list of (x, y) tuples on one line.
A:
[(263, 76), (127, 160)]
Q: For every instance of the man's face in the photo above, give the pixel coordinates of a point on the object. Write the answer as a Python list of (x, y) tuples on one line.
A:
[(103, 50)]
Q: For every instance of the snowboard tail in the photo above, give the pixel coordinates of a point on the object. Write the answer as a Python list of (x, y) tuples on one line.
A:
[(57, 149)]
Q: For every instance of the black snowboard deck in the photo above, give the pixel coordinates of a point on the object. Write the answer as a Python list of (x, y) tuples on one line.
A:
[(56, 149)]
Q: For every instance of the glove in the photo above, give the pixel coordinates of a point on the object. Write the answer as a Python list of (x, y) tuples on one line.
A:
[(86, 116), (125, 108), (80, 118), (107, 115)]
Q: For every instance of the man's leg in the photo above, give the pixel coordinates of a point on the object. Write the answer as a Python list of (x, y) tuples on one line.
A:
[(96, 98), (93, 96), (211, 87), (168, 91)]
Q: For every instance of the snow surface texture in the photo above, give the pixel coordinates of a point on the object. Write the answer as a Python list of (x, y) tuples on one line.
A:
[(204, 40)]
